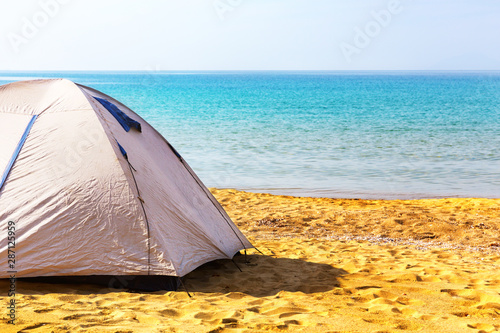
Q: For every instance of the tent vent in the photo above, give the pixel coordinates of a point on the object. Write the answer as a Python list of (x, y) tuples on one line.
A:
[(119, 115), (122, 150)]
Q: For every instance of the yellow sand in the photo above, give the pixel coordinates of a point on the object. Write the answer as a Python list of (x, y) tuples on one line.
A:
[(328, 266)]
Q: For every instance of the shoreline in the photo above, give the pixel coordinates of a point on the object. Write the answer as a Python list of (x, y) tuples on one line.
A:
[(465, 222), (331, 194)]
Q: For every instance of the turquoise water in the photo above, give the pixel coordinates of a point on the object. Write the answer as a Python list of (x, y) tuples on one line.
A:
[(334, 134)]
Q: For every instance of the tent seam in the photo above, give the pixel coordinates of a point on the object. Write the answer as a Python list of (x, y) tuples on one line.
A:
[(96, 109), (145, 215), (208, 196)]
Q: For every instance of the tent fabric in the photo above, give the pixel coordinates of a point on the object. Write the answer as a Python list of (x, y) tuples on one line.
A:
[(82, 208)]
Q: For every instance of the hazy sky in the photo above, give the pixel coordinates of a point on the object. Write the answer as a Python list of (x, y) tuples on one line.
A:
[(249, 34)]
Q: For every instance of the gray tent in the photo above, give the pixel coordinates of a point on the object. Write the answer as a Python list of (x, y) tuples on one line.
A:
[(93, 190)]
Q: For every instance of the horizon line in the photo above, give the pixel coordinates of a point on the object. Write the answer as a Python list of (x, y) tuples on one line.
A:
[(247, 70)]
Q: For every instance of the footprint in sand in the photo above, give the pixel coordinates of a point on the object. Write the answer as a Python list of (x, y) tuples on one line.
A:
[(68, 298), (380, 304), (399, 324), (409, 301), (81, 315), (33, 327), (486, 328), (147, 319), (289, 314), (477, 297), (283, 312), (170, 313), (428, 317), (44, 310), (489, 306), (409, 277), (204, 315), (254, 309), (256, 302)]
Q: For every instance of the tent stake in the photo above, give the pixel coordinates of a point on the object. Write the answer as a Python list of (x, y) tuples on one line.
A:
[(246, 258)]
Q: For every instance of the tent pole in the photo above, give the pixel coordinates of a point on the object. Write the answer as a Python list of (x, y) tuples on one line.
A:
[(184, 286), (246, 258), (234, 262)]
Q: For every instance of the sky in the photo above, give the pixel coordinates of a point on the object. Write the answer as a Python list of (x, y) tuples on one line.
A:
[(249, 35)]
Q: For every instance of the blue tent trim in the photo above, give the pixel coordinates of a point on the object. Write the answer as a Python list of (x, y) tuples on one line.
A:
[(17, 151), (119, 115), (122, 150)]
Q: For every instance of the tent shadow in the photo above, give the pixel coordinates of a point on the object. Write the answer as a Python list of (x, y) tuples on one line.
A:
[(30, 288), (263, 276)]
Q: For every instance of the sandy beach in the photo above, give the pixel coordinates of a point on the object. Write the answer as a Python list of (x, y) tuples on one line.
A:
[(327, 265)]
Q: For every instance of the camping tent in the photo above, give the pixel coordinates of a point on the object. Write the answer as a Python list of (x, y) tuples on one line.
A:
[(89, 188)]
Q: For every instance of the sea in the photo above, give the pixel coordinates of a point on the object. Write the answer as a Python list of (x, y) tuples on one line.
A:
[(337, 134)]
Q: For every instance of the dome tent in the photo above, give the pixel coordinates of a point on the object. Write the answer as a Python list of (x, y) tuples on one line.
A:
[(93, 190)]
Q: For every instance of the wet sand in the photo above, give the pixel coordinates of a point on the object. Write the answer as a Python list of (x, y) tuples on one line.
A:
[(328, 265)]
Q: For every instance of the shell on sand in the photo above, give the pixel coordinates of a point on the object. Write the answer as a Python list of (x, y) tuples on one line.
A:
[(328, 265)]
